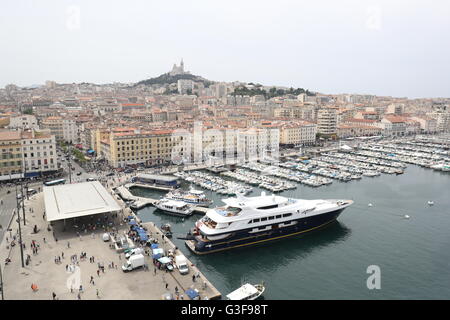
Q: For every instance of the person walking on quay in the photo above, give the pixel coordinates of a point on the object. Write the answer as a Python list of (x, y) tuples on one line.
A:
[(193, 278), (98, 293), (98, 272), (79, 296), (167, 285), (92, 280), (54, 296), (68, 244)]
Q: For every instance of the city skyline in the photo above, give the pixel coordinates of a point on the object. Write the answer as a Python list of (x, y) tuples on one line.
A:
[(374, 48)]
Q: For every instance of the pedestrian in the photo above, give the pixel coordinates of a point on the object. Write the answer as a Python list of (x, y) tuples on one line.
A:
[(193, 278), (54, 296), (68, 244), (98, 272), (167, 285), (98, 294), (62, 254), (81, 288), (79, 296), (45, 241)]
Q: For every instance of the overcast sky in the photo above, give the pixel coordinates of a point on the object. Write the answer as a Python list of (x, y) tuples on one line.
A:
[(398, 48)]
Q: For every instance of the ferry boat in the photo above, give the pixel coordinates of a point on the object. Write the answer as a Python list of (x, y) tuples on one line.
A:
[(195, 197), (245, 221), (179, 208), (247, 292)]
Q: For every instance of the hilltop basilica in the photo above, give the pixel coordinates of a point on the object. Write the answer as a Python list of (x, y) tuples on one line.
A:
[(178, 70)]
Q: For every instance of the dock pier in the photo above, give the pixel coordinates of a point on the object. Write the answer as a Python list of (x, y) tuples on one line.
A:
[(141, 202)]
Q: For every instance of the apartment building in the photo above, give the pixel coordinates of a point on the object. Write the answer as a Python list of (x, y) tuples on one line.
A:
[(24, 121), (30, 152), (427, 124), (39, 153), (298, 133), (55, 125), (11, 152), (346, 131), (62, 128), (393, 126), (256, 143), (126, 147), (327, 121)]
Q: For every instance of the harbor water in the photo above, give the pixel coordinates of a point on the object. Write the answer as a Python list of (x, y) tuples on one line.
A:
[(412, 253)]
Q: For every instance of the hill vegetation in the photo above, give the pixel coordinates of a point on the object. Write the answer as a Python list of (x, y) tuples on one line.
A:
[(273, 92), (166, 78)]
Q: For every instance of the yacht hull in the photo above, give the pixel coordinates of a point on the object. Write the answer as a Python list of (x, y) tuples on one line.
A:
[(246, 237)]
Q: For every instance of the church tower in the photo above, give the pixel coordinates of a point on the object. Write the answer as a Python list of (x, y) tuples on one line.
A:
[(182, 66)]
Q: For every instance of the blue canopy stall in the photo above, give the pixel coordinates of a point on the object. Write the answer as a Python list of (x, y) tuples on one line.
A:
[(157, 253), (192, 293)]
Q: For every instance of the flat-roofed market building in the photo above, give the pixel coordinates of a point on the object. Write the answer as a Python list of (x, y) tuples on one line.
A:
[(156, 179), (78, 200)]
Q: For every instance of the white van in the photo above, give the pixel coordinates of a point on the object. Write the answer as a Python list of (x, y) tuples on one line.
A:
[(134, 251), (135, 261), (181, 263)]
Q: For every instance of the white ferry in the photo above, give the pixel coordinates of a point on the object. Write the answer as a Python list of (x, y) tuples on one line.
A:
[(246, 221), (193, 196), (175, 207)]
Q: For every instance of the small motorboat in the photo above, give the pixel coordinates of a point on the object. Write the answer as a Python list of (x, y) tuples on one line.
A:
[(430, 203), (369, 204), (166, 230), (247, 292), (406, 216)]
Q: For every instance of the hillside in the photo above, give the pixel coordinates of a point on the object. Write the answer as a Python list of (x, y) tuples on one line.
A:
[(166, 78)]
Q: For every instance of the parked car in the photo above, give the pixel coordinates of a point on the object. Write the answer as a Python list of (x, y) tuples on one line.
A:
[(79, 173)]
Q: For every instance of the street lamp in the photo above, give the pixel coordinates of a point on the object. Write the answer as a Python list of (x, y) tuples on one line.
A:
[(1, 283), (20, 230)]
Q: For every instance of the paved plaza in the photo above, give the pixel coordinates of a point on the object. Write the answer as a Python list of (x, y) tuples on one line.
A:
[(65, 241)]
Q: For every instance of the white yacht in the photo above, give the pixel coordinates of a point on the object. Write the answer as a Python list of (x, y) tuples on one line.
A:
[(245, 221), (193, 196), (175, 207)]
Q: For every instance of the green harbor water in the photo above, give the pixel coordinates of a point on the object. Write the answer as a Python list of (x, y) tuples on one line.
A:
[(413, 254)]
